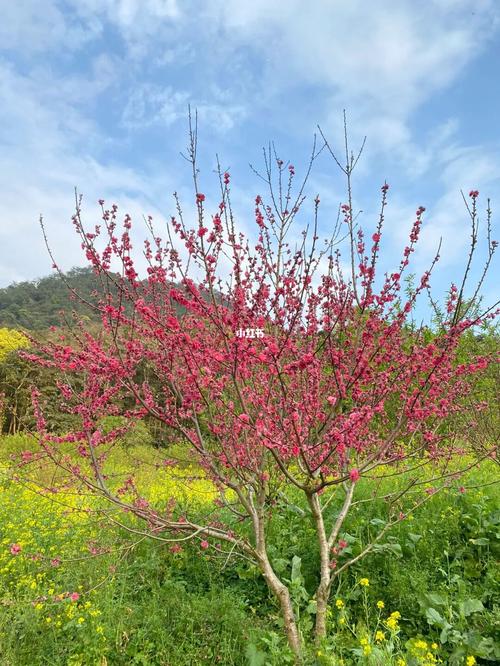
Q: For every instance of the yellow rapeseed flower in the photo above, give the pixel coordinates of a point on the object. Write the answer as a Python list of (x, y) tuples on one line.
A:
[(470, 661), (392, 623), (380, 636), (380, 604), (339, 603), (367, 650), (364, 582)]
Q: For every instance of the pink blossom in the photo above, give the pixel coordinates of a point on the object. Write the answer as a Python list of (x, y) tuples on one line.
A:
[(74, 596), (204, 544), (354, 475), (15, 549)]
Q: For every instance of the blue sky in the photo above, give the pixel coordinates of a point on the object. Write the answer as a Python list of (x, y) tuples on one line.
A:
[(94, 94)]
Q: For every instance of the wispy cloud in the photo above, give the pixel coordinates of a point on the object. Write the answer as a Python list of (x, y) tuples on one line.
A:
[(95, 92)]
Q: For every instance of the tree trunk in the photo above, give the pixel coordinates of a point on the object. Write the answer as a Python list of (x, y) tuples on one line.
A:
[(323, 590), (321, 609), (283, 595)]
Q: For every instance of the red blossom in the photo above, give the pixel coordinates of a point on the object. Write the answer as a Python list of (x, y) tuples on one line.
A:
[(329, 376)]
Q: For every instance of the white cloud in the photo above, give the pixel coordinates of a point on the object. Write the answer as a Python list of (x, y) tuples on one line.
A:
[(32, 27), (152, 104), (48, 148), (252, 61)]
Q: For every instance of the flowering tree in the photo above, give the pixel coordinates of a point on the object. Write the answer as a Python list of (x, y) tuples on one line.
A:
[(285, 375)]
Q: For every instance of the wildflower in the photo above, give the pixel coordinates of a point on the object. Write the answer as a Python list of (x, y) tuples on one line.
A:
[(396, 615), (392, 623), (74, 596), (401, 662), (81, 620), (470, 661), (204, 544), (342, 544), (341, 620), (434, 646), (15, 549), (380, 636), (363, 641), (380, 604), (339, 603), (367, 650), (364, 582)]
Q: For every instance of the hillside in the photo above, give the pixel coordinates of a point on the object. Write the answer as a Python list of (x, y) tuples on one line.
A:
[(37, 305)]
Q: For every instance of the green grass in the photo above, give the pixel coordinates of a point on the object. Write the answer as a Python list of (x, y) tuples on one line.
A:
[(147, 605)]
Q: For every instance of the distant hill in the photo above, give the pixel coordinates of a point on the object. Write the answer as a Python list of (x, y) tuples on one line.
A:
[(37, 305)]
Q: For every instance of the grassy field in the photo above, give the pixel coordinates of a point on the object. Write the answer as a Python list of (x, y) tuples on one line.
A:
[(73, 593)]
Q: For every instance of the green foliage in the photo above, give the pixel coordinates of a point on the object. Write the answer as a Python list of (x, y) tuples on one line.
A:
[(149, 605), (37, 305), (138, 433)]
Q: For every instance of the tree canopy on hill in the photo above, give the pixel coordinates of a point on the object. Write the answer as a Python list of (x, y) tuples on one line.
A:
[(37, 305)]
